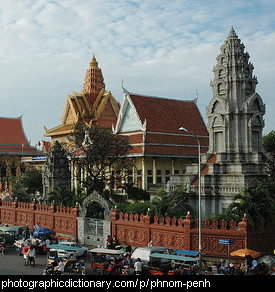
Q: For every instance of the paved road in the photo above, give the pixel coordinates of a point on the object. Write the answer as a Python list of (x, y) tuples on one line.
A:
[(12, 264)]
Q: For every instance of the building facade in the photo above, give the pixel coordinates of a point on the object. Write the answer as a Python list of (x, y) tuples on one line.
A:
[(159, 149)]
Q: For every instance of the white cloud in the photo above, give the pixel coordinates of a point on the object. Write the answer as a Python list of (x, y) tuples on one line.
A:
[(159, 47)]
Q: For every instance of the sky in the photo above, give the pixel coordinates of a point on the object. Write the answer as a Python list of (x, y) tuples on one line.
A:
[(158, 47)]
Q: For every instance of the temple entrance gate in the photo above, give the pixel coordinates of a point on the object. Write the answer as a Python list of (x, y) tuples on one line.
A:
[(94, 231)]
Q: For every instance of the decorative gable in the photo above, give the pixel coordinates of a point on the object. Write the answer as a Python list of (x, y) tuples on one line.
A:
[(130, 121)]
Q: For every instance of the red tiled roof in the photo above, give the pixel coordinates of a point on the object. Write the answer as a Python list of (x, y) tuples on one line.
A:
[(168, 115), (13, 140), (163, 118)]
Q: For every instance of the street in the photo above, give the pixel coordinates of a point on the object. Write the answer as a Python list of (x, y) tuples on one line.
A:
[(12, 264)]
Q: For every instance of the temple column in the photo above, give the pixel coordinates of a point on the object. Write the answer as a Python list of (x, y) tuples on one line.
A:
[(154, 170), (143, 173)]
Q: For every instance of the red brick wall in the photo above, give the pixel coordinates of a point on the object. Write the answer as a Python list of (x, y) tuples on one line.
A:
[(138, 230), (58, 219)]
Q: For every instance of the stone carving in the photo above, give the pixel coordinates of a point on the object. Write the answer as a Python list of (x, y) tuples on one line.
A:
[(95, 197), (56, 172)]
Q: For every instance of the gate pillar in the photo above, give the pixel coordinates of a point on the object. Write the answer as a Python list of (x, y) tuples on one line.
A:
[(106, 230), (81, 229)]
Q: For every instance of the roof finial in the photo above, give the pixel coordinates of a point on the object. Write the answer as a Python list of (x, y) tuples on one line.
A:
[(197, 96), (232, 33), (123, 88), (93, 62)]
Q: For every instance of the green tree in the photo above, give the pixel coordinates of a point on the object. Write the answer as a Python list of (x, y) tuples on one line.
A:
[(24, 187), (269, 147), (172, 205), (32, 180), (257, 202), (20, 190), (101, 153), (269, 142), (62, 196)]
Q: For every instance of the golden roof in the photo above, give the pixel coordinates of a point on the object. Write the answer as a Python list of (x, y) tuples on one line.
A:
[(88, 105)]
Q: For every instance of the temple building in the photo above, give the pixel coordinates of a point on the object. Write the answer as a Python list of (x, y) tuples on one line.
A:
[(14, 151), (93, 105), (159, 150), (235, 123)]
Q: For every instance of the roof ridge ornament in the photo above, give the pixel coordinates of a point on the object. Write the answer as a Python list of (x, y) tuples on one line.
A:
[(125, 91)]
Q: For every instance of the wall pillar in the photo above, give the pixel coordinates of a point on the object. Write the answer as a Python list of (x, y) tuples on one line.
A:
[(187, 226), (80, 229)]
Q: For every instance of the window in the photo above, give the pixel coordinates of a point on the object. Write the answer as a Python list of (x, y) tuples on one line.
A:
[(158, 172), (149, 180), (149, 172)]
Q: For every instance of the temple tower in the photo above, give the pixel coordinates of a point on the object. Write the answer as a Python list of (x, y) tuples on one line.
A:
[(235, 113), (93, 82), (235, 123)]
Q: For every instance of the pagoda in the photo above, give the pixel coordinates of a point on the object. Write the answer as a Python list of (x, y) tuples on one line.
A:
[(235, 123), (93, 105)]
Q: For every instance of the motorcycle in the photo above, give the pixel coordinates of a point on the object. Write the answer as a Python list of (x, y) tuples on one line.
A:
[(79, 267), (29, 261), (49, 270)]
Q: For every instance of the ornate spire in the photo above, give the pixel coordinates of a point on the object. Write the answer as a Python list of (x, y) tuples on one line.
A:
[(232, 34), (94, 81)]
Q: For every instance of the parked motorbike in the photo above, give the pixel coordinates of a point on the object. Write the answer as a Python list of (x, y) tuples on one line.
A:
[(79, 267)]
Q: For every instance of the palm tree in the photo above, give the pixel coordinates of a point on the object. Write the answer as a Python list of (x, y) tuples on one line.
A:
[(62, 196), (257, 202)]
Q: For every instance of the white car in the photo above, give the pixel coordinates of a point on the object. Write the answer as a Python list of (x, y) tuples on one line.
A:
[(69, 249)]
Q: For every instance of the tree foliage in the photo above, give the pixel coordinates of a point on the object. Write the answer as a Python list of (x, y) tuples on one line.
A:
[(24, 187), (257, 202), (269, 142), (101, 153), (163, 205), (61, 196)]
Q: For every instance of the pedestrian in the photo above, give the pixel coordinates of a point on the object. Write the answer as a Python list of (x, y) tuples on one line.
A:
[(27, 232), (114, 243), (37, 226), (138, 266), (151, 243), (109, 242), (60, 268), (31, 254)]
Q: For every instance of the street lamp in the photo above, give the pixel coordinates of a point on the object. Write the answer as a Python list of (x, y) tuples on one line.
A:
[(199, 152)]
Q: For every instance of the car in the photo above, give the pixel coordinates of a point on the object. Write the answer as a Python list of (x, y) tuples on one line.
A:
[(67, 251), (144, 254), (75, 244), (7, 233)]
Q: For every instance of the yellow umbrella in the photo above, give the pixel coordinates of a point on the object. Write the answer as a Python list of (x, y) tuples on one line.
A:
[(245, 252)]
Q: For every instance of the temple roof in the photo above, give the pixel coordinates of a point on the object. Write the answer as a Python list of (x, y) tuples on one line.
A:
[(92, 105), (168, 115), (13, 140), (152, 126)]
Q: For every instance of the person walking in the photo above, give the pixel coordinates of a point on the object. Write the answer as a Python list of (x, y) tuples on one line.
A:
[(138, 267)]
